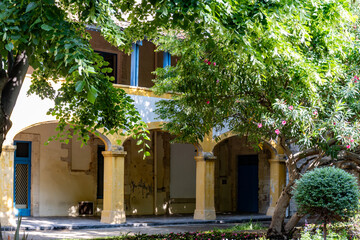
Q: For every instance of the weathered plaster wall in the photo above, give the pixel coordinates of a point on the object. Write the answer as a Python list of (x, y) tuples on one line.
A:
[(6, 185), (226, 174), (148, 182), (62, 174)]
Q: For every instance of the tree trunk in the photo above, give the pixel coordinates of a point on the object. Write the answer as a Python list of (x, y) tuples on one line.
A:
[(325, 232), (277, 228), (10, 85), (290, 225)]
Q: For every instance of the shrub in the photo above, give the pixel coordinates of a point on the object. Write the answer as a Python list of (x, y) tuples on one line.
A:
[(329, 192)]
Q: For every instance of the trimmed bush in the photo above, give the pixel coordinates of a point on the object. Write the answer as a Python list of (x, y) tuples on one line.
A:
[(329, 192)]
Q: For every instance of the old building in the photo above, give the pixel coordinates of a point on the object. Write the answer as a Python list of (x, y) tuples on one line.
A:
[(113, 181)]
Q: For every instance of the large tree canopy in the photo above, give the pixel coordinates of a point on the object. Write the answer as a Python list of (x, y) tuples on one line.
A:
[(51, 37), (282, 70)]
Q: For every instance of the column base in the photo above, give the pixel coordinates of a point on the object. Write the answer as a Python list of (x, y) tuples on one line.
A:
[(204, 214), (270, 211), (7, 219), (113, 217)]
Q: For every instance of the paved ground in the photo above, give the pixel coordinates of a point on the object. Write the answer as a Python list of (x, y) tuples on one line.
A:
[(86, 228)]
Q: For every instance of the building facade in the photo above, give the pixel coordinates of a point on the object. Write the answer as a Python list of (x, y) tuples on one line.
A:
[(111, 181)]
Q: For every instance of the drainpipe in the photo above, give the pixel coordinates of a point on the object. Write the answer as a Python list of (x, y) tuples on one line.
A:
[(155, 173)]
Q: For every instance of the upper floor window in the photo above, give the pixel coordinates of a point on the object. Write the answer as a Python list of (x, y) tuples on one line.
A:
[(111, 58)]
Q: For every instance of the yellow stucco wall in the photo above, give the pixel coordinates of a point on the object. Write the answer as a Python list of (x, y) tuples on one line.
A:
[(147, 182), (226, 174), (62, 174), (6, 186)]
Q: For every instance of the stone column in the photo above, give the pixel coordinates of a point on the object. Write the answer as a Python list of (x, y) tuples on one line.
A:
[(7, 216), (205, 187), (277, 181), (113, 202)]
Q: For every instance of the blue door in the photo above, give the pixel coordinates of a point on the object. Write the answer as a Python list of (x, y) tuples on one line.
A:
[(248, 188), (22, 178)]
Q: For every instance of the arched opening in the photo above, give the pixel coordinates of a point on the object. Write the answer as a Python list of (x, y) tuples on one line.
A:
[(60, 179), (242, 177), (156, 184)]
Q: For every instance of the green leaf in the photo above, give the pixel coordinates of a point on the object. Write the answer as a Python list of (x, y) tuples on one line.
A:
[(46, 27), (31, 6), (92, 94), (36, 22), (9, 46), (73, 68), (79, 86)]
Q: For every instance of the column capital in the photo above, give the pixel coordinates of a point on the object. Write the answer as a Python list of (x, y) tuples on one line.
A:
[(9, 148), (114, 153), (205, 156), (279, 158)]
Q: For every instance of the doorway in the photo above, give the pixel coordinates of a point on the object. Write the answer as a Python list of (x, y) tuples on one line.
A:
[(22, 178), (248, 184)]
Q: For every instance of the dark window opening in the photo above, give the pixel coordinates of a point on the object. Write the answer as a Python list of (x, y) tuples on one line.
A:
[(22, 149), (111, 58)]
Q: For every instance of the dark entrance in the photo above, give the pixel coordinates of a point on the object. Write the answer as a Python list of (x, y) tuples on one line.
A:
[(248, 184), (100, 172)]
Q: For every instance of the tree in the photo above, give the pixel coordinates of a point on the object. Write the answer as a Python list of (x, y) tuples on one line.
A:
[(283, 70), (51, 37), (329, 192)]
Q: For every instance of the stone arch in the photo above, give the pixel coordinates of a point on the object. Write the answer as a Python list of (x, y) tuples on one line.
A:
[(102, 137), (231, 152), (59, 167), (271, 145)]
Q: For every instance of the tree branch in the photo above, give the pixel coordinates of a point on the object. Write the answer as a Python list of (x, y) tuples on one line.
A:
[(306, 153), (302, 166), (10, 61), (12, 88), (290, 225)]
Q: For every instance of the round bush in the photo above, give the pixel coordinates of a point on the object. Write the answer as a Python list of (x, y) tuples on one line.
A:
[(330, 192)]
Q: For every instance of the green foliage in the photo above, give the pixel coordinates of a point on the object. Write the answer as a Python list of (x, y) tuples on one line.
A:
[(53, 36), (270, 57), (336, 231), (243, 226), (329, 192), (17, 232)]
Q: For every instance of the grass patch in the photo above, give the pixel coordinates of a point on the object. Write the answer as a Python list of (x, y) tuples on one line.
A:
[(243, 227)]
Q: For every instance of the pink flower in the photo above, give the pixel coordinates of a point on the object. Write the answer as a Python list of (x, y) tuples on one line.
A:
[(205, 61), (217, 81), (207, 102), (348, 146), (354, 26), (283, 122), (277, 131), (356, 77), (315, 112), (291, 107), (259, 125), (209, 63), (352, 140), (334, 123), (214, 63)]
